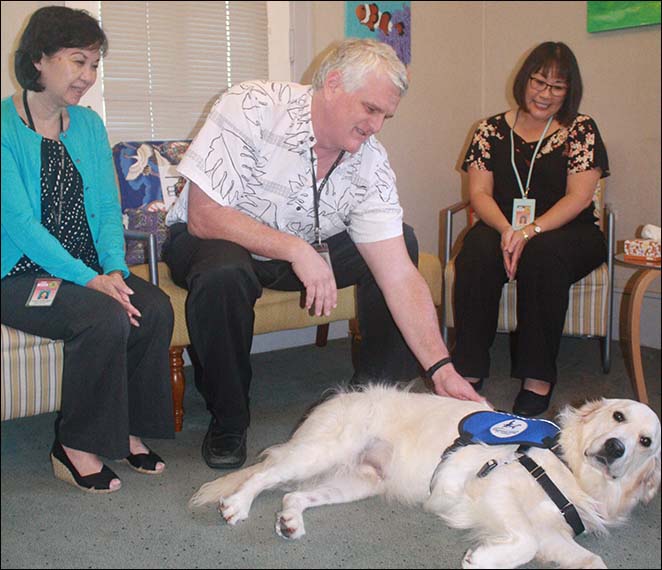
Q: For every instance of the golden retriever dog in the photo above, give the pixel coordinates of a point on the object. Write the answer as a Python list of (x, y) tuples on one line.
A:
[(386, 441)]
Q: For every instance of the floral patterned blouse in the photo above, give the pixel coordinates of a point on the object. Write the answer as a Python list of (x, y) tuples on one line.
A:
[(568, 150)]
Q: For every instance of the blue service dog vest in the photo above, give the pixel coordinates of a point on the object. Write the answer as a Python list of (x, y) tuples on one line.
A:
[(500, 428)]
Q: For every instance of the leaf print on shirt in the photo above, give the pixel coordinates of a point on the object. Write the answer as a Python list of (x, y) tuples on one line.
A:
[(260, 208), (301, 194), (257, 97), (233, 176), (300, 229), (300, 129), (385, 186)]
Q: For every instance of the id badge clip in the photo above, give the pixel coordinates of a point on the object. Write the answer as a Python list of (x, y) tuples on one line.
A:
[(524, 212), (43, 292)]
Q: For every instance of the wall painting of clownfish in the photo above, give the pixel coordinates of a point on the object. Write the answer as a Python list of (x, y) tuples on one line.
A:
[(389, 22)]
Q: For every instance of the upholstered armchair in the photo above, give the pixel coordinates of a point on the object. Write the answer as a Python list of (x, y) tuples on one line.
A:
[(591, 299)]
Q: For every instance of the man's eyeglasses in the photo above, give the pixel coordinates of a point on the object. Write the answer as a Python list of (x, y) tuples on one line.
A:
[(540, 85)]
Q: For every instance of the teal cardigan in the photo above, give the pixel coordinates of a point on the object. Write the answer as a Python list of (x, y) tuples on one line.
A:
[(86, 141)]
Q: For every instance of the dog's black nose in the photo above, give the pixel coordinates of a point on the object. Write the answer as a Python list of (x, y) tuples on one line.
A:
[(613, 449)]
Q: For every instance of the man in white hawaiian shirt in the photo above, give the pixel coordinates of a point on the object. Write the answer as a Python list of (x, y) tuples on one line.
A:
[(280, 175)]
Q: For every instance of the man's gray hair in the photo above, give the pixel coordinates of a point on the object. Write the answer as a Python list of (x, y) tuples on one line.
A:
[(356, 58)]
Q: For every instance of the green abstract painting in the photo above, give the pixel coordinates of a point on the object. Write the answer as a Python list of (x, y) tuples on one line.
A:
[(602, 16)]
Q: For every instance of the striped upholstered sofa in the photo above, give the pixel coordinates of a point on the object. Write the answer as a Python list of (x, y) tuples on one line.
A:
[(31, 374), (591, 299)]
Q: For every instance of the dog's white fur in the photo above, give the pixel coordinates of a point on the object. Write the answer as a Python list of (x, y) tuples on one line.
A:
[(385, 441)]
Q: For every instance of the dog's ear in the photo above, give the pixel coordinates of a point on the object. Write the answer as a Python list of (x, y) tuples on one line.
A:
[(591, 407), (650, 479), (581, 413)]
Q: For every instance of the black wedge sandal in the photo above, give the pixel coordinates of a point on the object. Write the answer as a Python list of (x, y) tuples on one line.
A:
[(65, 470), (145, 462)]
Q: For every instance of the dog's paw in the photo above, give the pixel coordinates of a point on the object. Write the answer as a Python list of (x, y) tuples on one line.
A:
[(468, 561), (593, 561), (477, 559), (233, 509), (289, 524)]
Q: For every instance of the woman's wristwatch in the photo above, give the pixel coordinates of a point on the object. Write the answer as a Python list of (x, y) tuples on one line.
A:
[(537, 230)]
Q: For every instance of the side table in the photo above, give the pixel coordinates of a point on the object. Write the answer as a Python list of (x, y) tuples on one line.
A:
[(648, 272)]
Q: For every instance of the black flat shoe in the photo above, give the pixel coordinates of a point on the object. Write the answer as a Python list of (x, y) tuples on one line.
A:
[(223, 450), (65, 470), (529, 404), (145, 462)]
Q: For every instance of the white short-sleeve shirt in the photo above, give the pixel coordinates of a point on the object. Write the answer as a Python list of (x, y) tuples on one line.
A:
[(253, 154)]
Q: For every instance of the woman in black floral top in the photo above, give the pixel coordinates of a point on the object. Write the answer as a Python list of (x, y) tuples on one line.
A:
[(556, 246)]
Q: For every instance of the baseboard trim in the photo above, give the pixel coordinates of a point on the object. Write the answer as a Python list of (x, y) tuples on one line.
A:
[(650, 327)]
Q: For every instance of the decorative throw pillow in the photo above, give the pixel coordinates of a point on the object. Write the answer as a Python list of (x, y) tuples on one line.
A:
[(145, 221), (149, 184)]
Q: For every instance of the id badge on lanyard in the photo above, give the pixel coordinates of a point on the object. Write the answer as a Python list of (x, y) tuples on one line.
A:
[(524, 212), (524, 208), (323, 250), (43, 292)]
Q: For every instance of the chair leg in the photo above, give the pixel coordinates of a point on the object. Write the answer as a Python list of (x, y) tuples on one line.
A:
[(178, 382), (606, 354), (355, 334), (322, 335)]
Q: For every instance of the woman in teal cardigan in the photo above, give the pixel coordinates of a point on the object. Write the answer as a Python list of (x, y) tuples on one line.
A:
[(61, 223)]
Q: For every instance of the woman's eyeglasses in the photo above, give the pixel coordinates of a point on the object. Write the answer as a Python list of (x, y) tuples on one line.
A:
[(540, 85)]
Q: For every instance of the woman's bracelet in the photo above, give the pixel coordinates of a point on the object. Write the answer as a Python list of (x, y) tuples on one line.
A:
[(436, 366)]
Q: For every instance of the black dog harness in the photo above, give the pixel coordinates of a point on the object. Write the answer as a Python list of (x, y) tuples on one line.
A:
[(500, 428)]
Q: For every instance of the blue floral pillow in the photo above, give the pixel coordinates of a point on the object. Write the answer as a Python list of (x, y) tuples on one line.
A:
[(145, 221), (149, 184)]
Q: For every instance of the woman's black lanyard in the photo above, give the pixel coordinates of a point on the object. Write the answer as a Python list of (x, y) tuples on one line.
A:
[(29, 115), (317, 193), (61, 173)]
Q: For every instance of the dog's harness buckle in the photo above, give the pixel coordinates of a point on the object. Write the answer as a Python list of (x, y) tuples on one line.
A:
[(564, 509), (486, 469), (537, 472)]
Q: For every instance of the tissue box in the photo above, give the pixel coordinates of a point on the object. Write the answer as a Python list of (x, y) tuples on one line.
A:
[(642, 250)]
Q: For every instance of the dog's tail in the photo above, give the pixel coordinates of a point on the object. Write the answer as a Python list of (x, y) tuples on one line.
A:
[(223, 487)]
